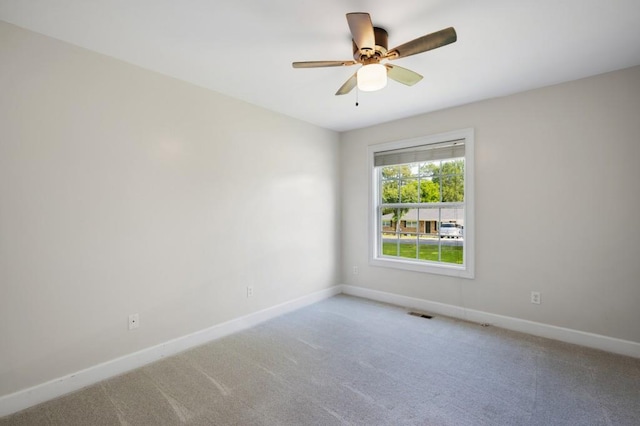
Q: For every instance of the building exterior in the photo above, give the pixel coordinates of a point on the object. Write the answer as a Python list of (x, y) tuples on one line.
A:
[(423, 221)]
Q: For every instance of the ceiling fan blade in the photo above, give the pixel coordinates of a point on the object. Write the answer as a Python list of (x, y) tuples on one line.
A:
[(348, 85), (402, 75), (424, 43), (362, 31), (319, 64)]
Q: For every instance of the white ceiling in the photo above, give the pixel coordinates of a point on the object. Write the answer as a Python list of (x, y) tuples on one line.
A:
[(244, 48)]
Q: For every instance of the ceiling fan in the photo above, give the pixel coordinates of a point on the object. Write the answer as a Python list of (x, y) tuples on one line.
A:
[(370, 49)]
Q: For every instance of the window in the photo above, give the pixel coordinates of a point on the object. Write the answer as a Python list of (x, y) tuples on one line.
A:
[(421, 215)]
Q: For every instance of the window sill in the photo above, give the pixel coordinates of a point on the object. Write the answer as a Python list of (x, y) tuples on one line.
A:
[(425, 267)]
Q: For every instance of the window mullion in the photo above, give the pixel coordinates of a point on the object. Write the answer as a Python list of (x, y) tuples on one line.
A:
[(421, 205)]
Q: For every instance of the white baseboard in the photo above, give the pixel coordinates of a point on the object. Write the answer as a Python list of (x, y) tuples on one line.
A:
[(63, 385), (596, 341), (46, 391)]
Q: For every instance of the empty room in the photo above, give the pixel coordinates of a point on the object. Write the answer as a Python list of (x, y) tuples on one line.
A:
[(319, 213)]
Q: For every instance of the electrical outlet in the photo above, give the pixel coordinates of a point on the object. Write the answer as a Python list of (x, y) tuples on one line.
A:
[(134, 321), (355, 270), (249, 291), (535, 297)]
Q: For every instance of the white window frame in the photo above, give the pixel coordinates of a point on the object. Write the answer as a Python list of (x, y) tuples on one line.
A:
[(467, 269)]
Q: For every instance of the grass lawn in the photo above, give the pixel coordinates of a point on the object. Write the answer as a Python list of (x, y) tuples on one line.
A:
[(450, 254)]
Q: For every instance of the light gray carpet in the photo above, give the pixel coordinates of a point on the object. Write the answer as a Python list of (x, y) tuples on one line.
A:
[(352, 361)]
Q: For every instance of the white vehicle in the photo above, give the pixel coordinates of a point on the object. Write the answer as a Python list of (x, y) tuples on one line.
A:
[(450, 230)]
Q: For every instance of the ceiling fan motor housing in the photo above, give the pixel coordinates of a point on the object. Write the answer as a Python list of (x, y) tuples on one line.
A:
[(367, 56)]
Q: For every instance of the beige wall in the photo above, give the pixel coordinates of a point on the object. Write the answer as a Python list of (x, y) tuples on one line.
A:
[(551, 166), (123, 191)]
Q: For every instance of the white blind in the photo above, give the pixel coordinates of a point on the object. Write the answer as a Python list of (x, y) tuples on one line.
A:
[(420, 153)]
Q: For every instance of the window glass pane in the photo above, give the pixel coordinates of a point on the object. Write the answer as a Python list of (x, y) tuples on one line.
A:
[(452, 176), (409, 220), (427, 220), (429, 191), (452, 167), (451, 221), (390, 191), (391, 217), (429, 169), (390, 172), (429, 249), (408, 246), (452, 189), (452, 251), (409, 191), (389, 244)]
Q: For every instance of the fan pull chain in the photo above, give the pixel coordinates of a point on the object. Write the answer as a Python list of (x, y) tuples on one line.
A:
[(357, 96)]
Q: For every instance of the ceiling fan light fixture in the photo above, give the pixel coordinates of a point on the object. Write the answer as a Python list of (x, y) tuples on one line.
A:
[(372, 77)]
